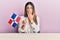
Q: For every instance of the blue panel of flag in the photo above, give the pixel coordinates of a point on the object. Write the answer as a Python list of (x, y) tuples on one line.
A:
[(14, 24), (13, 16)]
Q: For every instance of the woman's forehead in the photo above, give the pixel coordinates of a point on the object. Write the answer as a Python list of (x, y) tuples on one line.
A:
[(29, 5)]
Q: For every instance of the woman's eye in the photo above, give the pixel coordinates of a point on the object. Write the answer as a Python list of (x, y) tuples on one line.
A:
[(28, 7)]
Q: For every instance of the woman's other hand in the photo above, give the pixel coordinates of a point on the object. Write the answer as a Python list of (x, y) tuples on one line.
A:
[(23, 24), (30, 17)]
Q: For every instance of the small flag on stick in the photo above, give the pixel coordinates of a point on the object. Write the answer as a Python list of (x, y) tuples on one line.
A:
[(14, 20)]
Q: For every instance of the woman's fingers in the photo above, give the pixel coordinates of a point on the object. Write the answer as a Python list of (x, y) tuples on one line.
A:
[(24, 22), (30, 16), (23, 26)]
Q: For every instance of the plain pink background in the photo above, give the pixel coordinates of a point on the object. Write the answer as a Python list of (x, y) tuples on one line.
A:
[(47, 10)]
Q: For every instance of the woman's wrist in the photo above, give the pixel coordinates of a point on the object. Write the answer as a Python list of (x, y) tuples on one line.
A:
[(31, 21)]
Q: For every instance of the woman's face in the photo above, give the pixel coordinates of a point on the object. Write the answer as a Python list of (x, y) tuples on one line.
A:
[(29, 9)]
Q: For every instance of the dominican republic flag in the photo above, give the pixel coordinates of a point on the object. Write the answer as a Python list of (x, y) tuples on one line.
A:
[(14, 20)]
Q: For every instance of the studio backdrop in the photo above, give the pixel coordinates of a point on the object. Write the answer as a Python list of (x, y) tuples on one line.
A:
[(47, 10)]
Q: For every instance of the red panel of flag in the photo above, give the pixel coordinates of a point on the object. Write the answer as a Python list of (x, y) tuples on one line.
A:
[(18, 19), (10, 21)]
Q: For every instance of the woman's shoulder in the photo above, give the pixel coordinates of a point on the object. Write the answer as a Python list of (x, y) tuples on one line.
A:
[(22, 18)]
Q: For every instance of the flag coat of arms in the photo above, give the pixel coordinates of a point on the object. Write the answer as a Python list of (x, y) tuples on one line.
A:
[(14, 20)]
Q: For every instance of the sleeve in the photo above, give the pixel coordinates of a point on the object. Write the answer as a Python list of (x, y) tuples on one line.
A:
[(20, 25), (36, 28)]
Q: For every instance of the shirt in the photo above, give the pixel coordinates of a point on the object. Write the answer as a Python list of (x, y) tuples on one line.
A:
[(28, 29)]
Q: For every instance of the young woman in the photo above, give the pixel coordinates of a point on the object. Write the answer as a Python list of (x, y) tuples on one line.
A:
[(29, 22)]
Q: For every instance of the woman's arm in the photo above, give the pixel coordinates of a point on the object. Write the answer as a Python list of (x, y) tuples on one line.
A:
[(36, 28), (22, 25)]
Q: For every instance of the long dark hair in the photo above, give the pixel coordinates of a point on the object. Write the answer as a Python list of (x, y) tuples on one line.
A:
[(25, 13)]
